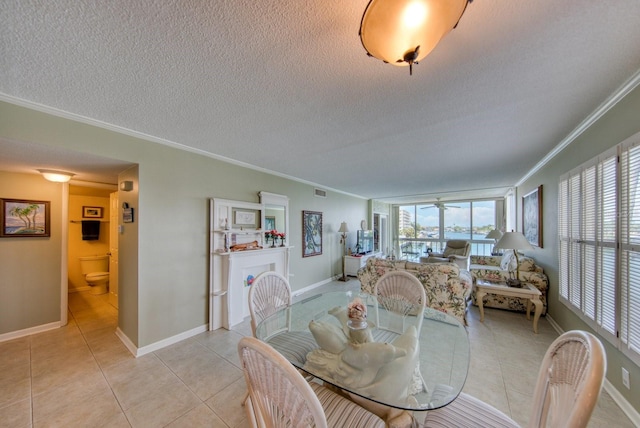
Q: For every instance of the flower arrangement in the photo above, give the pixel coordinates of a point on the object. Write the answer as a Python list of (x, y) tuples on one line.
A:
[(356, 310), (271, 234)]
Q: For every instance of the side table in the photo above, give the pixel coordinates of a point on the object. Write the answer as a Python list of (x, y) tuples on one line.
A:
[(527, 291)]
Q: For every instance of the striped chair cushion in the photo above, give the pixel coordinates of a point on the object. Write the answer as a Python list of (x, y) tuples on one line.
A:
[(341, 412), (294, 345), (468, 412)]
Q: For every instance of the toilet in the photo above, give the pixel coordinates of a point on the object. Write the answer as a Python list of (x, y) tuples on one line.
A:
[(96, 273)]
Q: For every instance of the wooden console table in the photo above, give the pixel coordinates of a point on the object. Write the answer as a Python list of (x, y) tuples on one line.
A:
[(528, 291)]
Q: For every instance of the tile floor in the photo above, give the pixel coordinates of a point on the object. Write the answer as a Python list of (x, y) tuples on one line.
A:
[(82, 376)]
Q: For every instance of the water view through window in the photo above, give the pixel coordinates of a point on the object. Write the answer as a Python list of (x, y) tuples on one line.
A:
[(426, 227)]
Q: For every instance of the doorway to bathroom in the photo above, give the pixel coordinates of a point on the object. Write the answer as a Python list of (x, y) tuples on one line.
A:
[(93, 241)]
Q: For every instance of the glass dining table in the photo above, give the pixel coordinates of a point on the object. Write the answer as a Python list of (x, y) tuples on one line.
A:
[(397, 360)]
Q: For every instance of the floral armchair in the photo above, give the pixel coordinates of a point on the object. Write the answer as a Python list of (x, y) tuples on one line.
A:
[(447, 287), (495, 269)]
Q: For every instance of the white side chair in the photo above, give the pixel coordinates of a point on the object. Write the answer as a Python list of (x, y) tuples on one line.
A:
[(568, 386), (403, 297), (279, 396), (270, 293)]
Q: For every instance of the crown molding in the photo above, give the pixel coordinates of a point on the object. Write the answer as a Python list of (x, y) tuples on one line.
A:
[(616, 97), (130, 132)]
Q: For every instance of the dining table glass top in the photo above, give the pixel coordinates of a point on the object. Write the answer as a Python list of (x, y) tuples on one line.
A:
[(402, 356)]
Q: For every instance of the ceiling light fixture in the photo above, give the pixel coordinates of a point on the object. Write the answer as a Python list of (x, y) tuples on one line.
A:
[(56, 176), (402, 32)]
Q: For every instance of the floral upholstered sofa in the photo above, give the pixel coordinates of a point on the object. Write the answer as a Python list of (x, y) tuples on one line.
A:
[(495, 269), (448, 288)]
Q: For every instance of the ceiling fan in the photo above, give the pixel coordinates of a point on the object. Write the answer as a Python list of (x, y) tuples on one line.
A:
[(440, 205)]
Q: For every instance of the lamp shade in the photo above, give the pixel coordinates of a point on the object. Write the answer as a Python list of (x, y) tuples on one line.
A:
[(56, 176), (343, 227), (494, 234), (402, 32), (514, 241)]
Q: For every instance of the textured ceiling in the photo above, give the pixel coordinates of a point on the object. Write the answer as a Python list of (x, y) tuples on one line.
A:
[(285, 84)]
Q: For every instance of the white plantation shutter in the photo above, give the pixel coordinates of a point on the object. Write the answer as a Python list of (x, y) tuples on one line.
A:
[(588, 241), (563, 235), (607, 190), (599, 244), (630, 247)]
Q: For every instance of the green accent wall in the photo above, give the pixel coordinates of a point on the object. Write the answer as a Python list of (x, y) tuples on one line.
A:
[(163, 255), (619, 123)]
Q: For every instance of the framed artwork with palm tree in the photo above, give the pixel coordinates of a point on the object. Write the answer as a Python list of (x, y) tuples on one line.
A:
[(22, 218), (311, 233)]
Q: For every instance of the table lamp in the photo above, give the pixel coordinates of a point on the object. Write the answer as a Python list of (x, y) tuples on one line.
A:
[(343, 240), (514, 241), (495, 234)]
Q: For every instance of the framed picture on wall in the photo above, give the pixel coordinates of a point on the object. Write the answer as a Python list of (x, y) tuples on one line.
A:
[(532, 216), (311, 233), (91, 212), (23, 218), (245, 218)]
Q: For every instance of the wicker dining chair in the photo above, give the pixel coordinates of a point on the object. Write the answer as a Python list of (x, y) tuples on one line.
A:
[(280, 397), (403, 297), (568, 386), (270, 293)]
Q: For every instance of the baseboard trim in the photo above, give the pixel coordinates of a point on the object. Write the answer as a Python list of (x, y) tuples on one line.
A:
[(28, 331), (619, 399), (131, 347), (138, 352), (312, 286)]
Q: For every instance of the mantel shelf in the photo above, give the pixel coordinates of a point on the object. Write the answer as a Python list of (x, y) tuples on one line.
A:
[(225, 253), (238, 231)]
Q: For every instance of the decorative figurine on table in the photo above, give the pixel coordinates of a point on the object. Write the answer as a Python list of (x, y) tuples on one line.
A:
[(357, 313), (348, 355)]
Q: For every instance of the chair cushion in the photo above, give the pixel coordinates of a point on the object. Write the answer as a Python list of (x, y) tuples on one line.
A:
[(455, 252), (341, 412), (468, 412), (295, 345)]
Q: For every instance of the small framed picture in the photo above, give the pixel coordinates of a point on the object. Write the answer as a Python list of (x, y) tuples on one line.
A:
[(91, 212), (245, 218), (22, 218)]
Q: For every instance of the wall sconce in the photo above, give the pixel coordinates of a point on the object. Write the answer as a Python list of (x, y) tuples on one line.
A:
[(402, 32), (56, 176), (126, 186)]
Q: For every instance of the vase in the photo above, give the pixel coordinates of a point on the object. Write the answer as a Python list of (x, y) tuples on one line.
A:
[(282, 242), (273, 242)]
